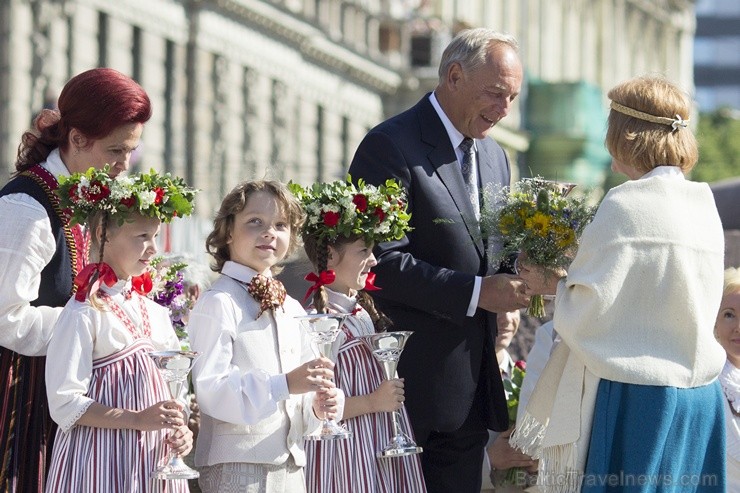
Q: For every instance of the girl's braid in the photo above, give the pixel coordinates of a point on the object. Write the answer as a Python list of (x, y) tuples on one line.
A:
[(320, 298), (380, 319)]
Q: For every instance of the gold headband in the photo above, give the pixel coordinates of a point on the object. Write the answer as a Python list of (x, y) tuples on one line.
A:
[(674, 123)]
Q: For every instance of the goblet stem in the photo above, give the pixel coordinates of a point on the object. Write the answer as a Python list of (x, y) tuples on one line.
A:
[(396, 423), (175, 387)]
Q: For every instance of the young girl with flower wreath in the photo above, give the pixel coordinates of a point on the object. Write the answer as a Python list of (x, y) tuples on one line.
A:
[(344, 222), (116, 418)]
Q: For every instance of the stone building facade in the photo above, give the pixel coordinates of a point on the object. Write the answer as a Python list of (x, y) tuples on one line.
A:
[(286, 89)]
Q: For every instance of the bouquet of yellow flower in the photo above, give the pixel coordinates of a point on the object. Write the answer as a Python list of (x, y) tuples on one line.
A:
[(536, 217)]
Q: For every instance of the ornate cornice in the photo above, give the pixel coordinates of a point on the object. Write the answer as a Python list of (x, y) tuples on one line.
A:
[(166, 18), (312, 43), (676, 13)]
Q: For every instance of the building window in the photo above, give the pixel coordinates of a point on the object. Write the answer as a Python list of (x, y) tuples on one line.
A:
[(136, 54), (169, 105), (103, 39), (320, 131), (278, 110), (346, 156), (70, 45), (249, 115)]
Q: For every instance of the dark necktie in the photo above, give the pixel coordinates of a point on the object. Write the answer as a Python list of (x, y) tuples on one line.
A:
[(468, 172), (269, 292)]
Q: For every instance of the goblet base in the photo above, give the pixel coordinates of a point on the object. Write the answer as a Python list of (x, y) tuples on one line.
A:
[(175, 469), (329, 431), (399, 447)]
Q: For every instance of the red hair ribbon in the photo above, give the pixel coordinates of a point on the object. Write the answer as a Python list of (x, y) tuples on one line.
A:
[(82, 280), (370, 283), (324, 278), (142, 284)]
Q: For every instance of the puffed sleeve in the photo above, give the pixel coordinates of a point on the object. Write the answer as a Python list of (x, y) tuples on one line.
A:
[(26, 245), (69, 365), (225, 391)]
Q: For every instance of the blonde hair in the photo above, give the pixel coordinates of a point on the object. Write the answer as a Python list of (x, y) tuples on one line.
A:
[(645, 145), (235, 202), (732, 281)]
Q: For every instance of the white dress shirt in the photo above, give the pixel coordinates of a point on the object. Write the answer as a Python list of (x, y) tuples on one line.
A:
[(27, 245), (456, 137), (240, 377)]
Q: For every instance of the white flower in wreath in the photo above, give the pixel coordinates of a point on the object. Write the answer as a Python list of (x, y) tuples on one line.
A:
[(383, 228), (118, 191), (346, 202), (146, 199), (124, 181)]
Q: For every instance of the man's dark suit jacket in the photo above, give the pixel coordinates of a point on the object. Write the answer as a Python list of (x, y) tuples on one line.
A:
[(427, 278)]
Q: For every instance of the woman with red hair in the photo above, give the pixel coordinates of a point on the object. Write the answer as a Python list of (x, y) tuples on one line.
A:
[(99, 121)]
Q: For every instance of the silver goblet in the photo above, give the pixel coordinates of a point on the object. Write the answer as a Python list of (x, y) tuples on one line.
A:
[(323, 328), (386, 348), (174, 367)]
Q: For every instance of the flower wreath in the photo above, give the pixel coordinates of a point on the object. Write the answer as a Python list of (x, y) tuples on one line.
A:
[(342, 208), (150, 194)]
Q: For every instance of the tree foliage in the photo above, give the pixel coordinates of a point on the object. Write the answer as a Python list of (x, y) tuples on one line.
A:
[(718, 134)]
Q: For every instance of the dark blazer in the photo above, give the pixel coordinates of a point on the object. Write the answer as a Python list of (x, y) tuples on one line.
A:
[(427, 277)]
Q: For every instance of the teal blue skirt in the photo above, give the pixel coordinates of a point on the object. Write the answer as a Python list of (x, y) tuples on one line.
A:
[(656, 439)]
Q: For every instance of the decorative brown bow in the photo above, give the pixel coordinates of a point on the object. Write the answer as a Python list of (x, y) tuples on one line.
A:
[(269, 292)]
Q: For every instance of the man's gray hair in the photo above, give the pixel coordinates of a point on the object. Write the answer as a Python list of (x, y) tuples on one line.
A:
[(470, 47)]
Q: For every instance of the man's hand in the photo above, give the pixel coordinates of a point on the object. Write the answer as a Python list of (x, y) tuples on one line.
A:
[(502, 293), (503, 456)]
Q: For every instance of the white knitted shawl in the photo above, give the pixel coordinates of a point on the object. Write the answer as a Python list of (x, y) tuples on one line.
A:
[(638, 306)]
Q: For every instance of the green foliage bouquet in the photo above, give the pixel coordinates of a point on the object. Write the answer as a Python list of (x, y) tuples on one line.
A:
[(513, 387), (536, 217)]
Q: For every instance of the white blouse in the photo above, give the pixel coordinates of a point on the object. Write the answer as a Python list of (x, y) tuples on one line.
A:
[(360, 324), (27, 244), (730, 381), (84, 334)]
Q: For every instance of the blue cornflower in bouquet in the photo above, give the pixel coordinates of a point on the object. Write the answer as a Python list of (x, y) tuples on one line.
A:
[(539, 218)]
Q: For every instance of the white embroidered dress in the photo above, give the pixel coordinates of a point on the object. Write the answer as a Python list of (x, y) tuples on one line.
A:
[(94, 356)]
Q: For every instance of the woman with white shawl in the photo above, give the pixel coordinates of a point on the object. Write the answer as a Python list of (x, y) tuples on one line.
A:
[(629, 400)]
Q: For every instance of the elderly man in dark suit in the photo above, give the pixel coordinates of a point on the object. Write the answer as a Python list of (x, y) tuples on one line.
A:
[(436, 280)]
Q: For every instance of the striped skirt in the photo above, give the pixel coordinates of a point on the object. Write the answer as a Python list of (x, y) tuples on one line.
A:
[(87, 459), (341, 466), (26, 429)]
